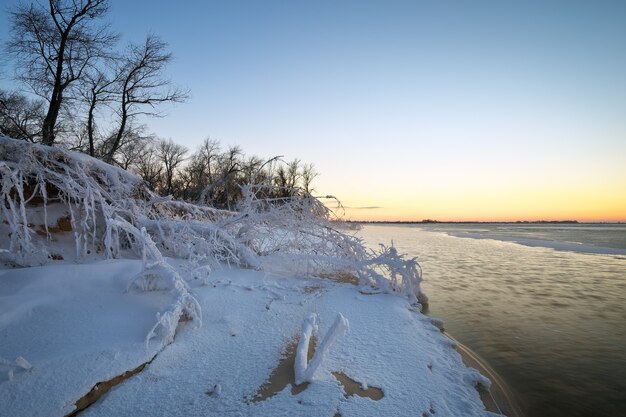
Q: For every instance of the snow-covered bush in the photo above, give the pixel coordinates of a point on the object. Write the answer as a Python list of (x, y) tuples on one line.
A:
[(106, 207), (112, 212), (299, 235)]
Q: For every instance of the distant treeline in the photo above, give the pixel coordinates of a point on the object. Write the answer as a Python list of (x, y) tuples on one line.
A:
[(428, 221), (214, 176)]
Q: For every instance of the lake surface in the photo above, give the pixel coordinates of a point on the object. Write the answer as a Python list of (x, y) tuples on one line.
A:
[(544, 305)]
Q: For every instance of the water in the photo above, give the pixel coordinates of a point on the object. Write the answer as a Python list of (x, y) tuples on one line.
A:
[(551, 322)]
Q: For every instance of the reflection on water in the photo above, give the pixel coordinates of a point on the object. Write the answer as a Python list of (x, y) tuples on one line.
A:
[(551, 323)]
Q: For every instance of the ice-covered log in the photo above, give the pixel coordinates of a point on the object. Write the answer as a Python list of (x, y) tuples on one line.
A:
[(305, 372), (309, 328)]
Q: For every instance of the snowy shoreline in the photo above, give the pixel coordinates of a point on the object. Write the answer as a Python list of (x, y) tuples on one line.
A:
[(184, 309), (71, 323)]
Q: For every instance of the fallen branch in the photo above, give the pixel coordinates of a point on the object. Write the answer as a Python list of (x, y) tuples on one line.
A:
[(305, 372)]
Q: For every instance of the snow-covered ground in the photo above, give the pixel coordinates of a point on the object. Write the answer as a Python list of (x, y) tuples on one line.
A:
[(115, 301), (77, 326)]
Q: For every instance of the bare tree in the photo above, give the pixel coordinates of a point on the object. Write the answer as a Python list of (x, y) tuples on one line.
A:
[(215, 177), (99, 88), (132, 150), (171, 155), (147, 165), (142, 88), (54, 44), (229, 167), (199, 173), (20, 117), (209, 152), (287, 177), (307, 175), (293, 173), (251, 170)]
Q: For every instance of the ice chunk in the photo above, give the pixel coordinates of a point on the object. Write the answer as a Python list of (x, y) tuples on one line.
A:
[(23, 363)]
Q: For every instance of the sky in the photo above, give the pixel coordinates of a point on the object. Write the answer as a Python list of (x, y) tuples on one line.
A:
[(410, 110)]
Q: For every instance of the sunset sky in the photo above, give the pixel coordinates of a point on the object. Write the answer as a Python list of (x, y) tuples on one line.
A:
[(449, 110)]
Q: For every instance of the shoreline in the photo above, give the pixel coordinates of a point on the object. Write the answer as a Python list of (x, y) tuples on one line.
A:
[(499, 397)]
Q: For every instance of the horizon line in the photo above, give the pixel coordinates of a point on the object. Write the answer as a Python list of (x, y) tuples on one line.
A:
[(490, 221)]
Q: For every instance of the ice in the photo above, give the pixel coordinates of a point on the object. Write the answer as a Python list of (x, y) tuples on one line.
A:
[(23, 363), (306, 372)]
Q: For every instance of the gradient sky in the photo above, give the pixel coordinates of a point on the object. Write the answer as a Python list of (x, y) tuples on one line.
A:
[(449, 110)]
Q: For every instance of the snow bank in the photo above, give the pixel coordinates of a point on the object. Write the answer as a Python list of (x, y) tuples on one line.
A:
[(76, 326)]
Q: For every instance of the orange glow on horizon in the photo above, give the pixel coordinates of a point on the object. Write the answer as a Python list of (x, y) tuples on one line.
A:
[(596, 205)]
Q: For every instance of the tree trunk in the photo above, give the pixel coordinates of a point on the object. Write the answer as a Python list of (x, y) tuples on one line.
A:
[(49, 123), (108, 158), (90, 122)]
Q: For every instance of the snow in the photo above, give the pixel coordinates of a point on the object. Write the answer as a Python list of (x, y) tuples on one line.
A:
[(77, 326), (202, 305), (545, 243)]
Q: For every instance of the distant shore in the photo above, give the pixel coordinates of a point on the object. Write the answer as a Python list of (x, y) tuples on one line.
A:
[(477, 222)]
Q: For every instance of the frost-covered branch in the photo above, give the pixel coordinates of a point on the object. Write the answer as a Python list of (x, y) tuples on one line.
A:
[(305, 372), (111, 211)]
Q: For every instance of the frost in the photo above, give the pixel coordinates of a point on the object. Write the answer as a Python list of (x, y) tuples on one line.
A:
[(154, 268), (111, 211), (309, 327), (305, 372)]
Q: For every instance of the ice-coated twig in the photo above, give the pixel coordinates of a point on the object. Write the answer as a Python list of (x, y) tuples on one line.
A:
[(309, 327), (305, 372), (155, 265)]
